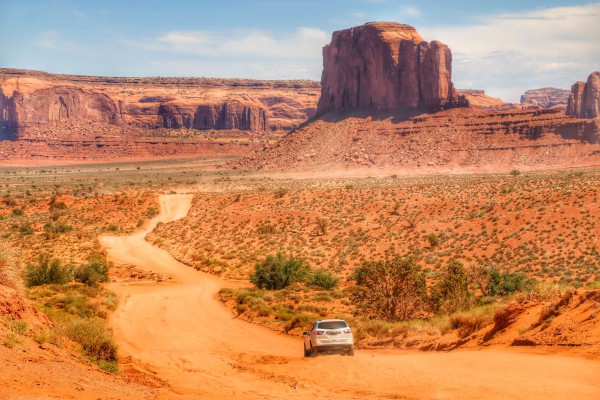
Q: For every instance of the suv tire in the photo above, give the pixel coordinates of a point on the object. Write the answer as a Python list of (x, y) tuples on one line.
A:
[(306, 352), (313, 352)]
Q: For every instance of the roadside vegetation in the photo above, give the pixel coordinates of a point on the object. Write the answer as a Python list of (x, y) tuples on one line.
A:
[(49, 254), (383, 299)]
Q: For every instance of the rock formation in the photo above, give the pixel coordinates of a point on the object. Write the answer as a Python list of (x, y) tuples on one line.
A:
[(584, 100), (545, 97), (31, 101), (385, 66)]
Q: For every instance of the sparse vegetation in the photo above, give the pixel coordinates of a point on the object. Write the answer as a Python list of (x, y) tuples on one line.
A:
[(278, 272), (47, 270)]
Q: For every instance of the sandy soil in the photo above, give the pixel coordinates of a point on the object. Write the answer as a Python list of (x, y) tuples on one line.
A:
[(181, 332)]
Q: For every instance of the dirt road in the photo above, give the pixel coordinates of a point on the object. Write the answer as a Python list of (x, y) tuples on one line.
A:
[(189, 339)]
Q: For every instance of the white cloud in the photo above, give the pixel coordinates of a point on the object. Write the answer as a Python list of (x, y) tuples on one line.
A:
[(249, 53), (241, 53), (410, 11), (301, 44), (506, 54), (48, 40)]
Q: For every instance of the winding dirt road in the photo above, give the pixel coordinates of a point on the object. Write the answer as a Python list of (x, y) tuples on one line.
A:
[(190, 340)]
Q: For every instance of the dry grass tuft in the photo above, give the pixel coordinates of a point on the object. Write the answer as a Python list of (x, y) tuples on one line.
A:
[(10, 270)]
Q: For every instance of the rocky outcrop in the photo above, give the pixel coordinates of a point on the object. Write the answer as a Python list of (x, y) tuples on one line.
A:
[(228, 115), (60, 103), (545, 97), (31, 103), (385, 66), (584, 100)]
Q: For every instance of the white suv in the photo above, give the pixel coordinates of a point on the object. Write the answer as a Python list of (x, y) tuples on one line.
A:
[(328, 336)]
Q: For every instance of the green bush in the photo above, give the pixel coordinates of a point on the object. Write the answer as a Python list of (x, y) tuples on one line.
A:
[(57, 228), (324, 279), (95, 338), (277, 272), (502, 284), (451, 293), (433, 239), (47, 270), (94, 272)]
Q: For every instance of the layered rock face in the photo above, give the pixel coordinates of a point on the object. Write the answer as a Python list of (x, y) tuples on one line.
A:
[(584, 100), (32, 102), (385, 66), (231, 114), (545, 97)]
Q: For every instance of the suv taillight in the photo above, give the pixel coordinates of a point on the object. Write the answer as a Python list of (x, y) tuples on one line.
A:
[(318, 332), (348, 330)]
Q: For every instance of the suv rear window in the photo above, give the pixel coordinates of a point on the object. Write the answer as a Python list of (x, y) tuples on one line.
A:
[(332, 325)]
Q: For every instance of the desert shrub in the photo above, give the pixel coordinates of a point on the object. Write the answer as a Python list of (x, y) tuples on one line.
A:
[(278, 271), (371, 327), (433, 239), (56, 205), (472, 320), (225, 294), (17, 212), (94, 272), (26, 229), (324, 279), (515, 172), (504, 283), (280, 192), (266, 228), (451, 293), (322, 225), (151, 212), (392, 289), (47, 270), (9, 201), (298, 321), (542, 292), (492, 282), (17, 326), (57, 228), (94, 336)]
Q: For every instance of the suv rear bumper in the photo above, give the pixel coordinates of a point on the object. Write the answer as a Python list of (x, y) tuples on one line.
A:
[(333, 348)]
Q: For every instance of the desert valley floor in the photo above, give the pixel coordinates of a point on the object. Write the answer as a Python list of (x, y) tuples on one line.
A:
[(178, 339)]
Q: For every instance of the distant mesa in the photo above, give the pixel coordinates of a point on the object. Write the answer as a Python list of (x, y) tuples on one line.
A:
[(386, 66), (545, 97), (32, 102), (584, 100)]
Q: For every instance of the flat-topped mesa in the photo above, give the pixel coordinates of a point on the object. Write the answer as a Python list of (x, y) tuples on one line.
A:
[(584, 100), (386, 66)]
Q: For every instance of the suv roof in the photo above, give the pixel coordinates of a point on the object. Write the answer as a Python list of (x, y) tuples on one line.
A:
[(333, 319)]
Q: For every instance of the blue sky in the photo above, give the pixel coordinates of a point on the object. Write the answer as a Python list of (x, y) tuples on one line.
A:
[(503, 47)]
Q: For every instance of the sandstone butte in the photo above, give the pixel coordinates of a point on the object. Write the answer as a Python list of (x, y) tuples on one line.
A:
[(387, 100), (385, 66), (584, 100)]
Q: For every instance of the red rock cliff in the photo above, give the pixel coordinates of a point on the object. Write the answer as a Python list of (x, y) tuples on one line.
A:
[(31, 101), (584, 100), (387, 66)]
